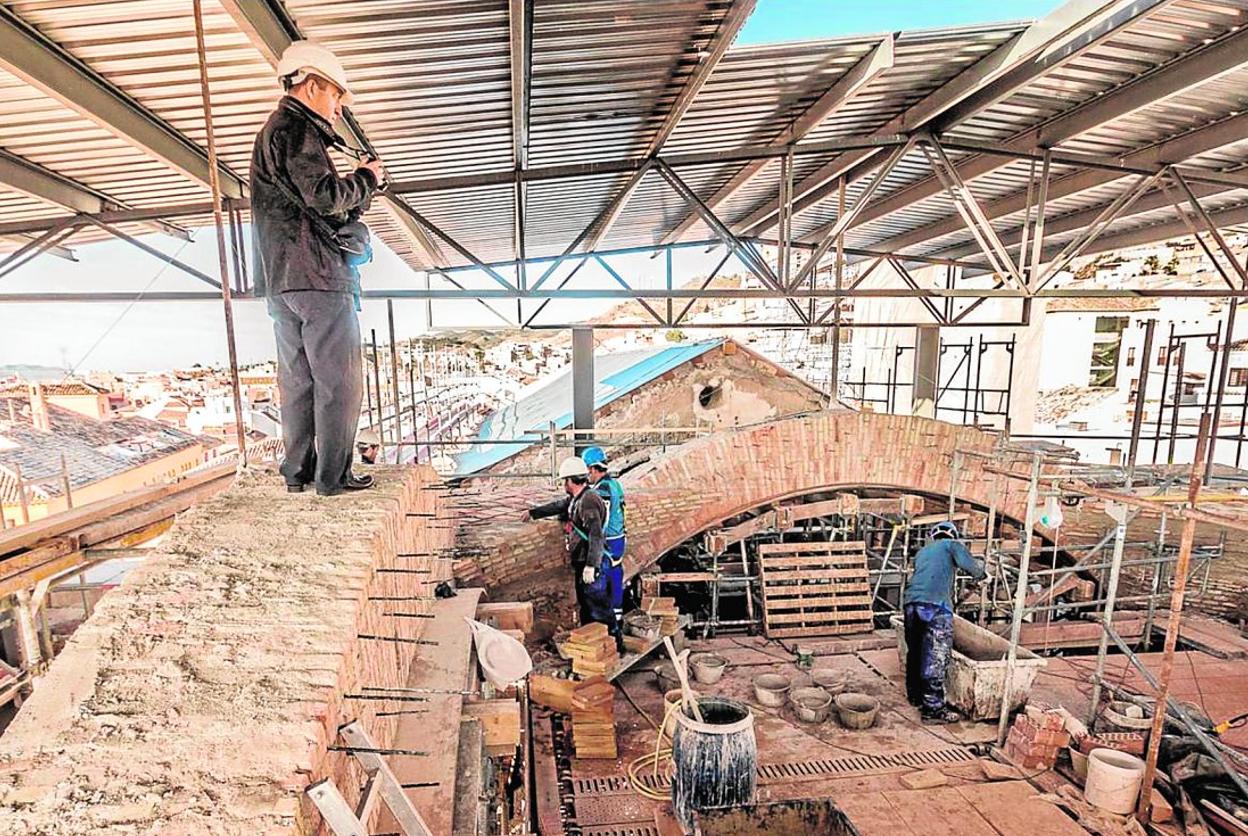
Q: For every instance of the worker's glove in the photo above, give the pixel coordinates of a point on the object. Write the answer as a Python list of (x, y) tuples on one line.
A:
[(587, 575)]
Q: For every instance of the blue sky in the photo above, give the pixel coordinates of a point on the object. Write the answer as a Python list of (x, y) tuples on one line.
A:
[(160, 335), (789, 20)]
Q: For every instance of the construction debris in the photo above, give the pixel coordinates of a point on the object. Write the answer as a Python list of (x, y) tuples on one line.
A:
[(665, 610), (1036, 738)]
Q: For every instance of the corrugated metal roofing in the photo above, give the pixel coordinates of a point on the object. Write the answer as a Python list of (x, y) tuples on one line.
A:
[(434, 94), (615, 375)]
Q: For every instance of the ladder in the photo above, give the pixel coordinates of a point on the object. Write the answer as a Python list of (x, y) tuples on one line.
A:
[(380, 786)]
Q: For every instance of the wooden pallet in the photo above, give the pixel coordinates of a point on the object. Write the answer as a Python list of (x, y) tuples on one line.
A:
[(815, 589)]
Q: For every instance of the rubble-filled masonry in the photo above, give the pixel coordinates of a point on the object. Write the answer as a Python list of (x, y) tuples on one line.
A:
[(202, 696)]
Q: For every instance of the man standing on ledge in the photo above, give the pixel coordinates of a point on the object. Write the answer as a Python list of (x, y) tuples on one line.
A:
[(298, 205), (583, 514), (928, 613)]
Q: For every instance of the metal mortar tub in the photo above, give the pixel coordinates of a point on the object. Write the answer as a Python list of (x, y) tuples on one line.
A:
[(975, 676)]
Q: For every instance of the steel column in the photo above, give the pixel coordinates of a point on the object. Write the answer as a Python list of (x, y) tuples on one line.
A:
[(582, 384)]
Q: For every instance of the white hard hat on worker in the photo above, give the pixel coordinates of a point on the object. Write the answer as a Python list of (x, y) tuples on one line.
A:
[(304, 58), (573, 467)]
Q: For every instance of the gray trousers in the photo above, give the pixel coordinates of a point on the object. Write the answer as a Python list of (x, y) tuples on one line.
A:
[(320, 378)]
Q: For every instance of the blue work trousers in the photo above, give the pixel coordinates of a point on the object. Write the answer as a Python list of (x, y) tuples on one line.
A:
[(604, 597), (929, 641)]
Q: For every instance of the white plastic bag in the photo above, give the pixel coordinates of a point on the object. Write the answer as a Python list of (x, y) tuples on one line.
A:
[(503, 659)]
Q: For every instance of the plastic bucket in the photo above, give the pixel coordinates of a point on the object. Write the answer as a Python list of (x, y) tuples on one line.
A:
[(770, 689), (1113, 780), (707, 667)]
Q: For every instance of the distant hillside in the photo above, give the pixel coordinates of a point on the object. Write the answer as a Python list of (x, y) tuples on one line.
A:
[(33, 373)]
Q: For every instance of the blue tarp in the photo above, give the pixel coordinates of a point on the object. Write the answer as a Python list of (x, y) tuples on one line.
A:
[(615, 375)]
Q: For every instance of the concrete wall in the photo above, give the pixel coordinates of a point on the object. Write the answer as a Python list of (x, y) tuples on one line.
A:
[(201, 695), (874, 348)]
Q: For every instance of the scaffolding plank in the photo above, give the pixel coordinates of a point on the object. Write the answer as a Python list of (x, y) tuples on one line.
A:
[(822, 547), (805, 594), (815, 561), (813, 618)]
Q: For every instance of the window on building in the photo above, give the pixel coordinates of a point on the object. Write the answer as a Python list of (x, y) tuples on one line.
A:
[(1131, 356), (1162, 354), (1106, 345), (1239, 377)]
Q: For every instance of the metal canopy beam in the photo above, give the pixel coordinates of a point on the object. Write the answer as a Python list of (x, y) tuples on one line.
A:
[(1192, 70), (875, 62), (724, 35), (40, 183), (1193, 143), (28, 54), (1061, 26), (270, 30)]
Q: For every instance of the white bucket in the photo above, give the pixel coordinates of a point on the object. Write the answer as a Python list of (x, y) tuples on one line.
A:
[(1113, 780)]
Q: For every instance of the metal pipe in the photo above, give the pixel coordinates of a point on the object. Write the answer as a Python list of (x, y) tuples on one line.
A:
[(214, 182), (394, 380), (1186, 539), (1227, 339), (381, 401), (1020, 597), (1107, 616), (1141, 390)]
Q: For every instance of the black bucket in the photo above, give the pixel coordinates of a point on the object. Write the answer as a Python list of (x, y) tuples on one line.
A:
[(715, 760)]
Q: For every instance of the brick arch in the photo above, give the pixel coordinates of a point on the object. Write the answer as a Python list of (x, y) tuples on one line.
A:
[(718, 477), (697, 486)]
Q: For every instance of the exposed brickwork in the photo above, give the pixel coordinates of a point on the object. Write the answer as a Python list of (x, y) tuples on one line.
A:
[(201, 695), (712, 479)]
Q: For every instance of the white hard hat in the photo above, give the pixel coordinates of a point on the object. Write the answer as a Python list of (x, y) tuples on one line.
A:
[(310, 57), (572, 466), (367, 438)]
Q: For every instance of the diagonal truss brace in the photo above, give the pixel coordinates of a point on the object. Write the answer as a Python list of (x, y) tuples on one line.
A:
[(1209, 226), (972, 213), (844, 221)]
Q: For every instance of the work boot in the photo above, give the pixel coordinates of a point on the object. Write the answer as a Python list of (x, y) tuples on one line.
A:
[(940, 717), (353, 483), (295, 487)]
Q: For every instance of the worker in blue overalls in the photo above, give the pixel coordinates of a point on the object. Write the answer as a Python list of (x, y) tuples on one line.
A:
[(608, 589), (928, 611)]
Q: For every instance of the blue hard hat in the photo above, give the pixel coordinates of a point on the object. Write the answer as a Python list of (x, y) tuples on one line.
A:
[(945, 528), (595, 457)]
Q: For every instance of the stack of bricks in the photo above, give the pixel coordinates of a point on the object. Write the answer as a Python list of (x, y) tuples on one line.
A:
[(665, 610), (593, 719), (1130, 742), (1036, 738), (592, 650), (223, 666)]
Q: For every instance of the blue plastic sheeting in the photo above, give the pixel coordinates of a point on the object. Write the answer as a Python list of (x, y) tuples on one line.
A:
[(615, 375)]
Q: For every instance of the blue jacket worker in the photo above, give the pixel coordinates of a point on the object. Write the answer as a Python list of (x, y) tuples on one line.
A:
[(610, 583), (583, 514), (928, 612)]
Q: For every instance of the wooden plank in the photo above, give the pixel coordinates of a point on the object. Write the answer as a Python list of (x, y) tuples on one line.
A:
[(507, 615), (872, 815), (546, 778), (725, 537), (823, 630), (824, 547), (447, 666), (25, 536), (469, 781), (500, 724), (797, 576), (788, 603), (31, 577), (551, 692), (820, 617), (931, 519), (42, 553), (818, 561)]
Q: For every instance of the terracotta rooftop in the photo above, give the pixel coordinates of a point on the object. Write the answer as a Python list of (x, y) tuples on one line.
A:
[(94, 450)]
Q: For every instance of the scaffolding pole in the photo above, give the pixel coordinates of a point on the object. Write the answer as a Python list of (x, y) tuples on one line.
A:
[(1020, 597)]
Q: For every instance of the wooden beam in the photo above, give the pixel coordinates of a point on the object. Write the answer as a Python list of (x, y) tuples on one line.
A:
[(26, 536), (500, 723)]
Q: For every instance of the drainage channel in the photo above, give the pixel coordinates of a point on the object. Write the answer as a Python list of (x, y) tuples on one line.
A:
[(607, 806)]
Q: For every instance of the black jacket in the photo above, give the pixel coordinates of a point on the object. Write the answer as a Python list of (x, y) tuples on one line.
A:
[(290, 160), (587, 515)]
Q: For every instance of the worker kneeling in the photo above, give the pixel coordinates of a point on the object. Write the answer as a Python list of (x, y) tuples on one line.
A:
[(584, 517), (928, 611), (614, 536)]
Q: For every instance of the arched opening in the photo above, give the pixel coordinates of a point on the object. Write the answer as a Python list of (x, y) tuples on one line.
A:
[(711, 395), (871, 535)]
